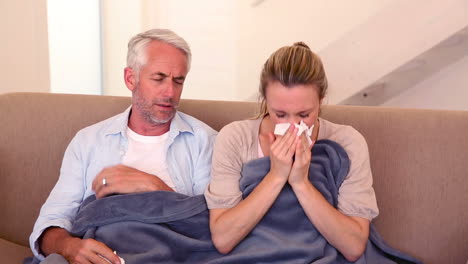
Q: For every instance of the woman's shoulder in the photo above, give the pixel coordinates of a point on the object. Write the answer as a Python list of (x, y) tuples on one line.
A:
[(356, 195), (237, 140)]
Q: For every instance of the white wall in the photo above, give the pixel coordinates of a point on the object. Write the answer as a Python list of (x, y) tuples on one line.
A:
[(209, 28), (388, 40), (447, 89), (121, 20), (230, 40), (275, 23), (23, 46), (74, 46)]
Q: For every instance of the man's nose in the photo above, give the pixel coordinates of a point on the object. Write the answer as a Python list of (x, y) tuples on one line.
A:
[(169, 89)]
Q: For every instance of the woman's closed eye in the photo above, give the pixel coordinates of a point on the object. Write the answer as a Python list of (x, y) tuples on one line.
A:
[(300, 115)]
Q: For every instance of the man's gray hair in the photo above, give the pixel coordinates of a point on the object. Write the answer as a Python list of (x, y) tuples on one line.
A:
[(136, 56)]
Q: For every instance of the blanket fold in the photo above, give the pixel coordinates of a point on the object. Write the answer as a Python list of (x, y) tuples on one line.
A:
[(168, 227)]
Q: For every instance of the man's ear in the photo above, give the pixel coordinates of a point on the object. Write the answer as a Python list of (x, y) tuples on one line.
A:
[(130, 78)]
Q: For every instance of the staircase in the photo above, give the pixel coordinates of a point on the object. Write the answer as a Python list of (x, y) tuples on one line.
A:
[(393, 50)]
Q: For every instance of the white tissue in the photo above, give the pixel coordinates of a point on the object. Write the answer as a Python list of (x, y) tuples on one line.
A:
[(122, 261), (281, 128)]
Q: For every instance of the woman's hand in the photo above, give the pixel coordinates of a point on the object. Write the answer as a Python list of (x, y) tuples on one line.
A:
[(282, 150), (300, 169)]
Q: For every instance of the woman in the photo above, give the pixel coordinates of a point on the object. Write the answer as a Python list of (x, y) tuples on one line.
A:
[(293, 85)]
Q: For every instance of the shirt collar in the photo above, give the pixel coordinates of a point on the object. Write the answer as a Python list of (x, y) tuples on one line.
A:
[(179, 125), (120, 123)]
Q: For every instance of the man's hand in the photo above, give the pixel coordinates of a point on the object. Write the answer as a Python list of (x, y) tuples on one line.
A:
[(88, 251), (76, 250), (122, 179)]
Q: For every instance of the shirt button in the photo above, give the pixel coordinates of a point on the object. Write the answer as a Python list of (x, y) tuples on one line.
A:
[(121, 152)]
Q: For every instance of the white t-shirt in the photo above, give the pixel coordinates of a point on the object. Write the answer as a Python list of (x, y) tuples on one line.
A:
[(147, 153)]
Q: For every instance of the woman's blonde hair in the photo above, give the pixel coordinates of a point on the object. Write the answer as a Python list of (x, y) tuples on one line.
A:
[(292, 65)]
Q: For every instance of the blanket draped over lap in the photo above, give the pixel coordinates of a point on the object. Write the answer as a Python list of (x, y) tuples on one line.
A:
[(169, 227)]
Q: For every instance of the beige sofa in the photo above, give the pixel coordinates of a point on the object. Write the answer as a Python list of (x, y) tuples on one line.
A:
[(419, 160)]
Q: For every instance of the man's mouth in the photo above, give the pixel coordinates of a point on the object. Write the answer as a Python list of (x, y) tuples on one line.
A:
[(165, 106)]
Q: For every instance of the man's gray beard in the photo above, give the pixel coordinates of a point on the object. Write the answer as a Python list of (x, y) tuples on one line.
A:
[(147, 112), (153, 120)]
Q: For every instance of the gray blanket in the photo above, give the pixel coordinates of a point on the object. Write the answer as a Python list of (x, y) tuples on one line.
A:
[(168, 227)]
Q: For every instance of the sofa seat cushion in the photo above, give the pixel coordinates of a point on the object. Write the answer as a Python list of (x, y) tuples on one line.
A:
[(13, 253)]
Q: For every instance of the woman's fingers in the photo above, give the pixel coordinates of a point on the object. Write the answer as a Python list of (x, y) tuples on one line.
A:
[(293, 149), (271, 138), (286, 143), (302, 149)]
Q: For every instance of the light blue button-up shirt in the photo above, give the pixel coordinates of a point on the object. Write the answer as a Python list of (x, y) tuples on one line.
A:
[(189, 150)]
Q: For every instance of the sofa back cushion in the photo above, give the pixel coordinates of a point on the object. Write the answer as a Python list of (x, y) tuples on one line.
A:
[(420, 171), (418, 159)]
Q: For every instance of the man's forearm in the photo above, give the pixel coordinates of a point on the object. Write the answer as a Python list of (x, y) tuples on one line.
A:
[(74, 249), (53, 241)]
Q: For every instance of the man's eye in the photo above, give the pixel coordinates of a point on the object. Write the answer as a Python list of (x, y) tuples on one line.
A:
[(304, 115), (280, 115), (157, 80), (180, 82)]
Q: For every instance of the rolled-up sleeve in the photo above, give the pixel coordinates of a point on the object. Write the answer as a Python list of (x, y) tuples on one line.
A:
[(64, 199)]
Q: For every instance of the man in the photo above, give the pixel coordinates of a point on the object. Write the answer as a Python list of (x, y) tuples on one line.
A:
[(148, 147)]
